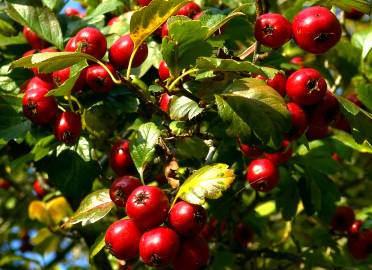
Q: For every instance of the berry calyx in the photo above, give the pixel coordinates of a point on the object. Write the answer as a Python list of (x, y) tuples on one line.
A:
[(193, 254), (272, 30), (92, 42), (120, 160), (343, 218), (283, 155), (122, 187), (99, 79), (263, 175), (67, 127)]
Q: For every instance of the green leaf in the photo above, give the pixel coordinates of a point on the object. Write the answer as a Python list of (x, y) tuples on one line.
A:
[(103, 8), (253, 108), (182, 107), (142, 147), (54, 4), (364, 91), (100, 120), (98, 245), (266, 208), (193, 147), (363, 40), (288, 197), (72, 175), (40, 19), (43, 147), (92, 208), (361, 5), (184, 44), (207, 182), (348, 140), (11, 80), (13, 40), (7, 29)]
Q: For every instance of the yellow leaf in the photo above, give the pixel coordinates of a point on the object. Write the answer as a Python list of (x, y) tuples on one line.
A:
[(37, 210), (58, 209), (207, 182)]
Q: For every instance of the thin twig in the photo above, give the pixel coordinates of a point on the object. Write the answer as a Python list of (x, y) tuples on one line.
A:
[(259, 12)]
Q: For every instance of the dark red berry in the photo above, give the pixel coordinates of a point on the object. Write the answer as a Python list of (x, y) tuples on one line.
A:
[(193, 254), (37, 82), (250, 151), (189, 10), (342, 123), (326, 109), (4, 184), (354, 14), (121, 51), (164, 30), (283, 155), (298, 120), (243, 234), (33, 39), (187, 219), (71, 45), (148, 207), (60, 76), (163, 71), (40, 189), (272, 30), (99, 79), (122, 187), (316, 29), (164, 100), (353, 97), (67, 127), (143, 3), (39, 108), (355, 227), (336, 157), (278, 82), (360, 244), (343, 219), (70, 11), (122, 239), (159, 247), (209, 229), (120, 159), (306, 86), (262, 175), (92, 42), (318, 128)]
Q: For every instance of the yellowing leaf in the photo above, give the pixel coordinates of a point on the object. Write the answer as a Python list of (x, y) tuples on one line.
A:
[(37, 210), (58, 209), (207, 182)]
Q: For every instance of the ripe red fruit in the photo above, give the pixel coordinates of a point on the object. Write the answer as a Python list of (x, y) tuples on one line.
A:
[(343, 218), (37, 82), (354, 14), (159, 247), (39, 189), (113, 21), (187, 219), (122, 187), (122, 239), (326, 109), (336, 157), (198, 16), (306, 86), (148, 207), (71, 45), (35, 70), (278, 82), (143, 3), (193, 254), (318, 128), (262, 175), (120, 159), (164, 30), (4, 184), (33, 39), (342, 123), (60, 76), (360, 244), (189, 10), (70, 11), (164, 100), (92, 41), (250, 151), (298, 60), (67, 127), (121, 51), (209, 229), (243, 234), (37, 107), (272, 30), (99, 79), (283, 155), (316, 29), (353, 97), (355, 227), (298, 119), (163, 71)]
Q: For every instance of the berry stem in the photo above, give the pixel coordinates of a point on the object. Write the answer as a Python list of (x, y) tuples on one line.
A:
[(131, 61), (179, 78)]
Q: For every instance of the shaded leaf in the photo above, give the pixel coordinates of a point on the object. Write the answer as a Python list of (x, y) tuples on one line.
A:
[(346, 139), (193, 147), (182, 107), (98, 245), (288, 197)]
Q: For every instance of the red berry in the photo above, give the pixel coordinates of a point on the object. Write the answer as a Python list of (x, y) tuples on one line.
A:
[(298, 60), (342, 123), (318, 128), (121, 51), (243, 234), (189, 10), (263, 175), (298, 119), (122, 239), (326, 109), (343, 219), (306, 86), (209, 229), (71, 45), (187, 219), (148, 207), (4, 184), (121, 188), (60, 76), (70, 11), (360, 244), (353, 97), (113, 21), (159, 247), (143, 3), (198, 16), (272, 30), (163, 71), (37, 107), (39, 189), (354, 14), (120, 159), (164, 30), (99, 79), (336, 157), (316, 29), (33, 39), (355, 227), (283, 155), (92, 41), (37, 82), (67, 127), (164, 100), (278, 82), (193, 254), (250, 151), (44, 76)]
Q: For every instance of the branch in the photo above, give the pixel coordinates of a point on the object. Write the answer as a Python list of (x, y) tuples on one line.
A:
[(259, 12)]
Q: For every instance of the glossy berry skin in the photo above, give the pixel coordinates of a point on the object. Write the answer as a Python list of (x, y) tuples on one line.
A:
[(355, 227), (193, 254), (99, 79), (164, 101), (143, 3), (33, 39), (120, 159), (316, 29), (360, 244), (306, 86), (272, 30), (60, 76), (121, 50), (71, 45), (278, 82), (67, 127), (164, 30), (39, 108), (70, 12), (4, 184), (163, 71), (93, 42), (148, 207), (298, 60), (37, 82), (283, 155), (262, 175), (343, 219), (187, 219), (299, 122), (250, 151), (159, 247), (39, 189), (189, 10), (122, 187), (243, 234), (122, 239)]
